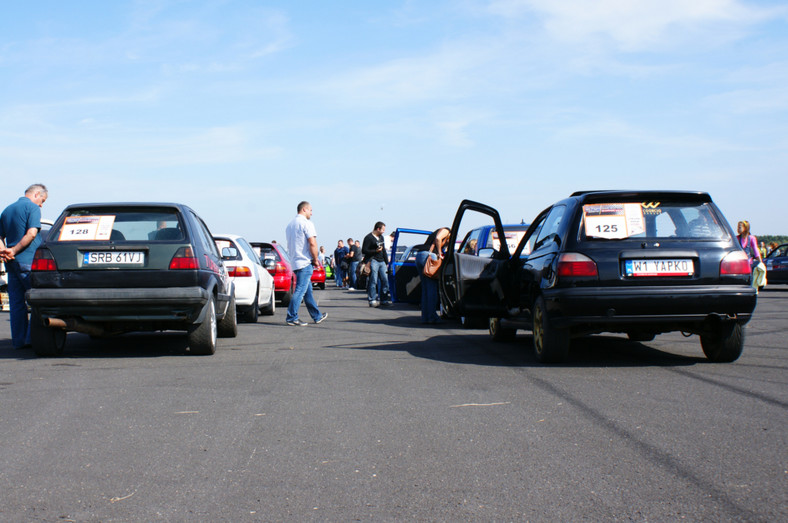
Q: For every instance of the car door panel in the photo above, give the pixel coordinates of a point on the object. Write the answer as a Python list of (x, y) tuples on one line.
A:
[(471, 284)]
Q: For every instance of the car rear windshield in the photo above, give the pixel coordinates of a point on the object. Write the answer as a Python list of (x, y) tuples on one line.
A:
[(652, 220), (120, 225)]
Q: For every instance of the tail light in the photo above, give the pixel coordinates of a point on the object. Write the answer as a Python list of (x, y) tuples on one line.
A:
[(576, 265), (184, 259), (281, 267), (43, 261), (239, 272), (736, 263)]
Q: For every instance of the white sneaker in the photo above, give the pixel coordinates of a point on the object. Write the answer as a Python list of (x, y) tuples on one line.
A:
[(374, 304)]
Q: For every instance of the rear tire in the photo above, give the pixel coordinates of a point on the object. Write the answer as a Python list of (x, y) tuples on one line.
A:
[(202, 340), (46, 341), (499, 333), (551, 345), (228, 327), (251, 315), (270, 309), (288, 296), (725, 344)]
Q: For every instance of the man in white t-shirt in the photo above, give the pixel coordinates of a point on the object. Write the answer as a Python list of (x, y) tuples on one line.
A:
[(302, 248)]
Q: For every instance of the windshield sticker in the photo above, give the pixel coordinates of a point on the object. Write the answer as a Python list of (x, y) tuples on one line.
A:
[(86, 228), (613, 221), (512, 239)]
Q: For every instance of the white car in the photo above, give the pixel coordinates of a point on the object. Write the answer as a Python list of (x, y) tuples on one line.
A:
[(254, 285)]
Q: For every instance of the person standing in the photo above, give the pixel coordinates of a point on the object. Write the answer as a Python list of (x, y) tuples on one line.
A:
[(354, 256), (749, 243), (19, 226), (432, 248), (302, 248), (374, 249), (340, 264)]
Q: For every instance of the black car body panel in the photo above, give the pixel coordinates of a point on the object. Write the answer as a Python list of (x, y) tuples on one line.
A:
[(122, 281), (662, 274)]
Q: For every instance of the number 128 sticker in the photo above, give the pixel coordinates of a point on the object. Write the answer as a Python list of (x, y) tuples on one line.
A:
[(87, 228)]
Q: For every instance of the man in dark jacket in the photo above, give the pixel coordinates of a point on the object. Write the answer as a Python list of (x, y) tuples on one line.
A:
[(374, 249)]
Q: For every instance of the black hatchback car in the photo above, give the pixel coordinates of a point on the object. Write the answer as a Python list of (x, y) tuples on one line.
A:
[(112, 268), (640, 263)]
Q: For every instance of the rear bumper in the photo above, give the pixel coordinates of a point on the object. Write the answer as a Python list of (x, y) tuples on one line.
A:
[(178, 304), (665, 308)]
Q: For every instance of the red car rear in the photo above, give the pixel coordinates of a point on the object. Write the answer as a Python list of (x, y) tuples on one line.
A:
[(274, 258), (319, 277)]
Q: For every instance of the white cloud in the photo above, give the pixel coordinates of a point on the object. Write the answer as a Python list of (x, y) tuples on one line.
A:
[(445, 74), (635, 25)]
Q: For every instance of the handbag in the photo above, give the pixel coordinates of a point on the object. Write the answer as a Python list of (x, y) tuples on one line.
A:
[(431, 266)]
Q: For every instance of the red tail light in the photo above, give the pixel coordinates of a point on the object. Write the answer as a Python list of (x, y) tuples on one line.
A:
[(576, 265), (184, 259), (239, 272), (44, 261), (280, 267), (735, 264)]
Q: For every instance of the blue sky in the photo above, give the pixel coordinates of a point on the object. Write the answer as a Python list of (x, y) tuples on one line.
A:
[(393, 110)]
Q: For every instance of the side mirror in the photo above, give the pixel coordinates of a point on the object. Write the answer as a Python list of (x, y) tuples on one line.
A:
[(487, 252), (269, 264), (229, 253)]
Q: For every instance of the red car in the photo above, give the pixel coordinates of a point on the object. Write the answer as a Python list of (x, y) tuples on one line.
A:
[(319, 277), (274, 258)]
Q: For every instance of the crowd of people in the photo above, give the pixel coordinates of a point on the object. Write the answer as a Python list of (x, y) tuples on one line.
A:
[(371, 254)]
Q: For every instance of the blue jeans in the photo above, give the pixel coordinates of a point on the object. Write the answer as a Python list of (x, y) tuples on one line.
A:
[(352, 274), (18, 284), (429, 289), (377, 274), (303, 291), (339, 275)]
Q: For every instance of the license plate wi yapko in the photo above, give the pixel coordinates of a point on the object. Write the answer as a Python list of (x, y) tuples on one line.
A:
[(674, 267)]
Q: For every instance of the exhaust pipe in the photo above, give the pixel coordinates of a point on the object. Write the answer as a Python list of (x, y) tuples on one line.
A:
[(71, 324)]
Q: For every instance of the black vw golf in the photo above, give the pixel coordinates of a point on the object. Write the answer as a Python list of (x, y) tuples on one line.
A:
[(111, 268), (640, 263)]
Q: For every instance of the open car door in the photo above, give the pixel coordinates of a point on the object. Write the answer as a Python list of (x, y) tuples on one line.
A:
[(470, 282)]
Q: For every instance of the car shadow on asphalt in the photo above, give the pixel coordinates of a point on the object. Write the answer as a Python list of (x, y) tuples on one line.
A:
[(476, 347), (133, 345)]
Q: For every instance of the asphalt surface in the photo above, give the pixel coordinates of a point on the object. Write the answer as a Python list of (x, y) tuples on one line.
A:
[(370, 416)]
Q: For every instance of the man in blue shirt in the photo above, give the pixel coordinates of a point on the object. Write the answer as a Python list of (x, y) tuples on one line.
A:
[(19, 226), (340, 264)]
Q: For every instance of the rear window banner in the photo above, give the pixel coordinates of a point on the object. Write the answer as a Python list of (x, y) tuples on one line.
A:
[(512, 239), (87, 228), (613, 221)]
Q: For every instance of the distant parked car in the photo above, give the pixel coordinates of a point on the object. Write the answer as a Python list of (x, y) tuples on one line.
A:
[(254, 285), (484, 240), (777, 265), (319, 277), (274, 258), (640, 263), (111, 268)]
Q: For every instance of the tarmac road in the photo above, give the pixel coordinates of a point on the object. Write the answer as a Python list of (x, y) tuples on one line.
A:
[(371, 417)]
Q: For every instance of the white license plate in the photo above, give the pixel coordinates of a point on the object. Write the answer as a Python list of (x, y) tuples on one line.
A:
[(675, 267), (113, 258)]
